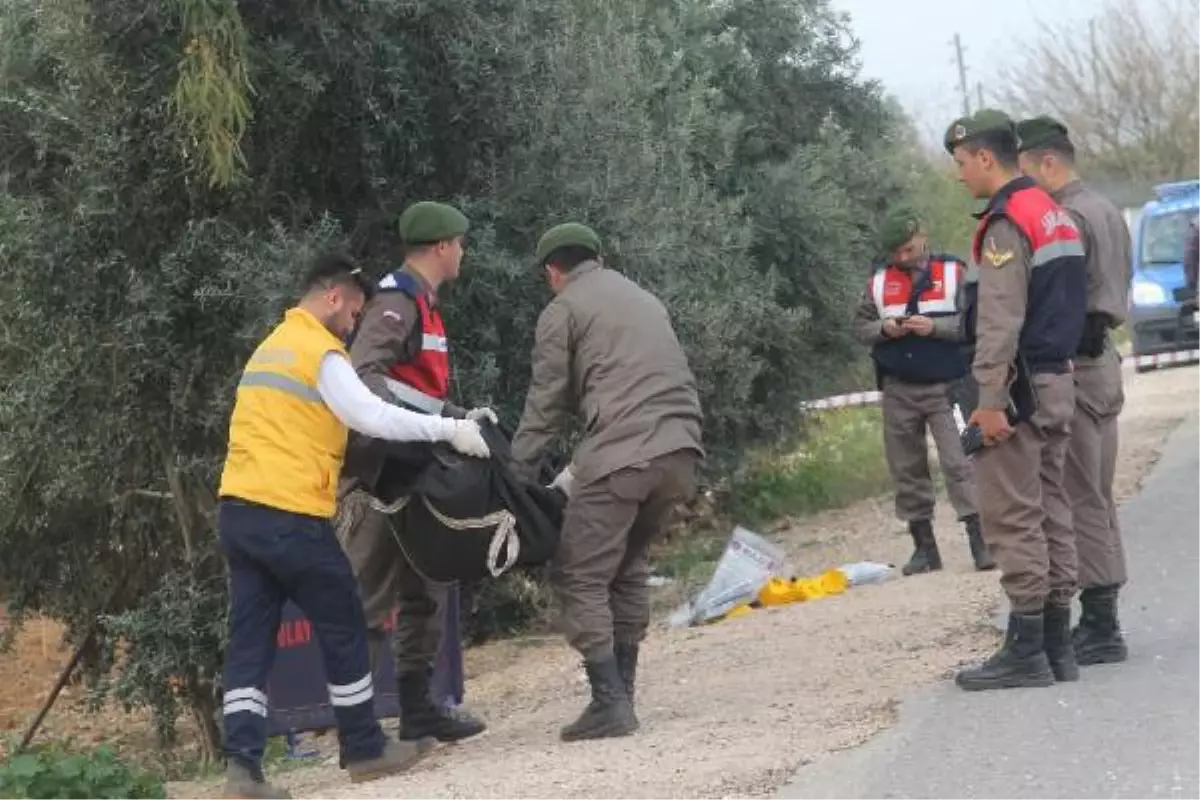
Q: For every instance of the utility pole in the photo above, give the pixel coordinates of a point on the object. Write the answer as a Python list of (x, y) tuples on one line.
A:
[(979, 94), (1095, 63), (962, 75)]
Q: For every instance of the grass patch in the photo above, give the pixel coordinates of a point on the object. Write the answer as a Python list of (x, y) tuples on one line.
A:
[(838, 462), (1120, 337), (841, 460)]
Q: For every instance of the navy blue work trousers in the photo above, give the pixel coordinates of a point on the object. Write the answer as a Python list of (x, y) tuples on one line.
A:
[(274, 556)]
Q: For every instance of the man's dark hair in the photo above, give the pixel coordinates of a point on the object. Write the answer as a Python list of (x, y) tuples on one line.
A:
[(569, 257), (1001, 143), (336, 268), (1061, 147)]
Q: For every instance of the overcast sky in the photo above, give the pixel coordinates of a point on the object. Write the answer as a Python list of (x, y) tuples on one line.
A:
[(908, 45)]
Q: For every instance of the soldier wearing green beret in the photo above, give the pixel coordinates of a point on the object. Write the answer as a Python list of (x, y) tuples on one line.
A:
[(400, 352), (910, 316), (605, 350), (1048, 156), (1025, 315)]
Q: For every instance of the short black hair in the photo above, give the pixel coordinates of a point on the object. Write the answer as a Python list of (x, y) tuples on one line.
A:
[(571, 256), (1001, 143), (333, 268), (1060, 147)]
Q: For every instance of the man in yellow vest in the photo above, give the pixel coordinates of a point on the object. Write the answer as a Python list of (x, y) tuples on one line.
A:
[(297, 398)]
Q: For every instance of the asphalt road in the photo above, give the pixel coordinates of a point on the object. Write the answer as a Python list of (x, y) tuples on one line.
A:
[(1127, 730)]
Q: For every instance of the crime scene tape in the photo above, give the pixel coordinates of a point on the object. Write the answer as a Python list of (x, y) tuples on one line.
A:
[(872, 398)]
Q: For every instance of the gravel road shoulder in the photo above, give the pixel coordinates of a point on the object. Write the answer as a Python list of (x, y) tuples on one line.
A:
[(734, 709)]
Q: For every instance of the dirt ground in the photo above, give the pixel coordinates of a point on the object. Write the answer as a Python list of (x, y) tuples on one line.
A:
[(732, 709)]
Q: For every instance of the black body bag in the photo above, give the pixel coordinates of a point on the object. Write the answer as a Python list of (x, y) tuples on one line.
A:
[(462, 519)]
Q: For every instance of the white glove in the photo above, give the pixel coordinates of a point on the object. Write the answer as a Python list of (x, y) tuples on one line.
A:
[(466, 438), (480, 414), (564, 482)]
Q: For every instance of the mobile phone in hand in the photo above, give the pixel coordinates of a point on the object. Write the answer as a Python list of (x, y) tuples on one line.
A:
[(971, 440)]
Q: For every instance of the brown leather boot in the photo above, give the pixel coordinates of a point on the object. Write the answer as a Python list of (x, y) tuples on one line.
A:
[(395, 758), (243, 783)]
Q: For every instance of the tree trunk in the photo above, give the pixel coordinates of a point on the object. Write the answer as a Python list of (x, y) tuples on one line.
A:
[(204, 711)]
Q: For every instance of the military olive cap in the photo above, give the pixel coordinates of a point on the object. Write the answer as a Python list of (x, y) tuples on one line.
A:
[(568, 234), (1040, 132), (985, 120), (899, 226), (427, 221)]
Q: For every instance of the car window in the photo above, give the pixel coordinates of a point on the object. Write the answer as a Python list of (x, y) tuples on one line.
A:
[(1165, 236)]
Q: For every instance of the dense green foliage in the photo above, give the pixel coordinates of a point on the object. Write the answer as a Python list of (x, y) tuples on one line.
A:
[(167, 168), (54, 771)]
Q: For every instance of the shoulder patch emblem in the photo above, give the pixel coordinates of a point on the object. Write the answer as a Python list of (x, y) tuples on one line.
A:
[(995, 257)]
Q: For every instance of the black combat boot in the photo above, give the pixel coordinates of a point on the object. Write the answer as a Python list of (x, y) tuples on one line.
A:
[(420, 717), (1059, 651), (627, 660), (925, 557), (1020, 662), (609, 713), (979, 552), (1097, 638)]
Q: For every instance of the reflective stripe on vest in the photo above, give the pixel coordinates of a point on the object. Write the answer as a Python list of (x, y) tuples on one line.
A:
[(433, 342), (285, 445), (283, 383), (414, 398), (892, 287)]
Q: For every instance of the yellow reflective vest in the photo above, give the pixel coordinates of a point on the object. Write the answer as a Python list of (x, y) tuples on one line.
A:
[(285, 446)]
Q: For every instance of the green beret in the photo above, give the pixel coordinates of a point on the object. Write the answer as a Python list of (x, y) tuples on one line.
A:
[(1040, 132), (984, 120), (568, 234), (427, 222), (899, 226)]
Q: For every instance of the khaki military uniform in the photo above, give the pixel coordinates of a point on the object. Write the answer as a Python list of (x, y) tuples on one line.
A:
[(909, 410), (1022, 501), (605, 350), (386, 579), (1099, 395)]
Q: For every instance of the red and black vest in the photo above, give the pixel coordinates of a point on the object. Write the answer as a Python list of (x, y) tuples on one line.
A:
[(424, 381), (1057, 295), (931, 292)]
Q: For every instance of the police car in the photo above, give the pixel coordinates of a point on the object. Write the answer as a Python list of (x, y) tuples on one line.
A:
[(1159, 323)]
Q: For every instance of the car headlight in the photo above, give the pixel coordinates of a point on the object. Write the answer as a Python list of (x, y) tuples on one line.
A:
[(1146, 293)]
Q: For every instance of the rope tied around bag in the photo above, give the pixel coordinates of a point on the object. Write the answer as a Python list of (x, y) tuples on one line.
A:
[(505, 537)]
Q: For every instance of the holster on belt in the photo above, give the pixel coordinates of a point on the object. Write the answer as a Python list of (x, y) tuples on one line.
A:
[(1022, 405), (1095, 335), (1023, 396)]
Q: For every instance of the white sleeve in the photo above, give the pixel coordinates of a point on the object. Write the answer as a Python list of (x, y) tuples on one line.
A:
[(362, 410)]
